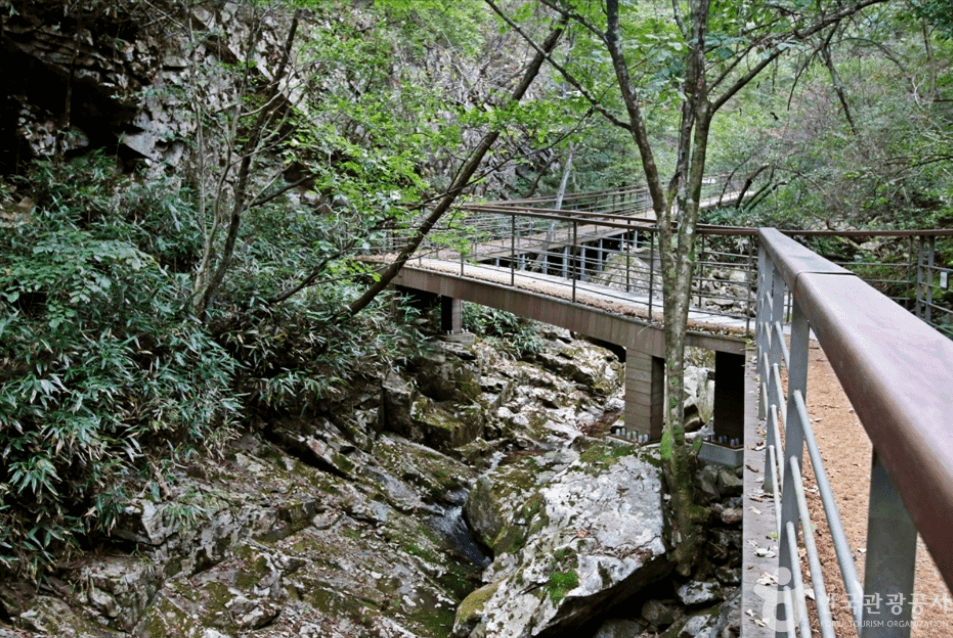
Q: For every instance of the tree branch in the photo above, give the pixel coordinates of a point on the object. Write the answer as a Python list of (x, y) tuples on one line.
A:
[(636, 121), (239, 205), (593, 101), (310, 279), (835, 79), (776, 50), (461, 181)]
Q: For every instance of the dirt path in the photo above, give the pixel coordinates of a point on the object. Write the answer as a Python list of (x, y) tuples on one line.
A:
[(846, 451)]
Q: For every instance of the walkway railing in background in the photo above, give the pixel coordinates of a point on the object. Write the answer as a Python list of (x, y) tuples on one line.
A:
[(609, 239), (898, 374)]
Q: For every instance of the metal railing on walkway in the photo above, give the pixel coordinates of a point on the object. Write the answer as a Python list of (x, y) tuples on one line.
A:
[(609, 239), (897, 372), (616, 252)]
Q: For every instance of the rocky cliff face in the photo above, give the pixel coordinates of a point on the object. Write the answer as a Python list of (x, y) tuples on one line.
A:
[(107, 75), (124, 76)]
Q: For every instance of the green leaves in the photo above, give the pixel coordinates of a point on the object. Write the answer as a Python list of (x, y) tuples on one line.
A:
[(97, 361)]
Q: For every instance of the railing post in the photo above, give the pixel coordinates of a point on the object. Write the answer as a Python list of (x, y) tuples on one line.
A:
[(797, 367), (777, 312), (762, 323), (749, 286), (513, 250), (575, 230), (931, 250), (919, 312), (652, 237), (891, 559), (628, 261), (793, 427), (700, 260)]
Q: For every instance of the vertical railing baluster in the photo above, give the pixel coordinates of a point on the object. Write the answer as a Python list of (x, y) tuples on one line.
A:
[(700, 260), (628, 261), (928, 306), (652, 237), (575, 231), (797, 369), (920, 278), (749, 285), (777, 312), (910, 271), (760, 321), (513, 250), (891, 559)]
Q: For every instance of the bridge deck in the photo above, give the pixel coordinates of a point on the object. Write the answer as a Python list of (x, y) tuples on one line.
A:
[(758, 521), (627, 304)]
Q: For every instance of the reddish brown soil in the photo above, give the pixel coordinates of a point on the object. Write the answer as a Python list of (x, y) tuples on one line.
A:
[(846, 452)]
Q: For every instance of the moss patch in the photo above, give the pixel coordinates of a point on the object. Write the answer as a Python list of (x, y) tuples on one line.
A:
[(471, 608), (600, 456), (560, 583), (252, 573)]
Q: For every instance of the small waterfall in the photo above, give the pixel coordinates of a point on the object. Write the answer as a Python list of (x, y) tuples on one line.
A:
[(454, 528)]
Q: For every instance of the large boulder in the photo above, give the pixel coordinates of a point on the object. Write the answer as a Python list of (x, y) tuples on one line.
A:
[(585, 365), (448, 378), (410, 413), (498, 510), (583, 538)]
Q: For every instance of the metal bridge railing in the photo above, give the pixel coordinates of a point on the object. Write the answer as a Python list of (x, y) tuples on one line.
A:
[(897, 372), (609, 239), (615, 256)]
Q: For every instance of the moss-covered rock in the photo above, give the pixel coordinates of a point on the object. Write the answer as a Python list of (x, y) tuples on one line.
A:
[(436, 426), (504, 504), (470, 610), (589, 536)]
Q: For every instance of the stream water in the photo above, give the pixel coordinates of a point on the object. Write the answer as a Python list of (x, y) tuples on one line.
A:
[(453, 526)]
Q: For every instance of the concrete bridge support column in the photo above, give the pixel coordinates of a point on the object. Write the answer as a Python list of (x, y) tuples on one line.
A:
[(729, 397), (644, 395), (451, 315)]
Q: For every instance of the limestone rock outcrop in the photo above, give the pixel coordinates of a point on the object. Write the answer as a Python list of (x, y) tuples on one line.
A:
[(572, 536)]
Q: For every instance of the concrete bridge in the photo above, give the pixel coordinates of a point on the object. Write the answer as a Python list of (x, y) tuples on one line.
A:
[(604, 316)]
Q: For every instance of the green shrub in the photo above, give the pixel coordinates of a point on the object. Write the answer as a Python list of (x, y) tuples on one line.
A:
[(99, 363), (512, 332), (103, 369)]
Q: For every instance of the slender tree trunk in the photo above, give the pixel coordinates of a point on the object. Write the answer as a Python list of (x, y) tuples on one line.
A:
[(677, 214), (836, 81), (209, 279), (931, 57)]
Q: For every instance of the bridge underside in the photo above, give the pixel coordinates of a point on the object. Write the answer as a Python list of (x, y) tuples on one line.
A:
[(644, 346)]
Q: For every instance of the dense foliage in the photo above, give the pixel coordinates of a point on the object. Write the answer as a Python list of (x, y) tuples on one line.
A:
[(511, 333), (106, 376), (97, 362)]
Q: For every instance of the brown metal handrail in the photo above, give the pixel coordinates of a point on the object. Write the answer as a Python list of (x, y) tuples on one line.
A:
[(897, 372)]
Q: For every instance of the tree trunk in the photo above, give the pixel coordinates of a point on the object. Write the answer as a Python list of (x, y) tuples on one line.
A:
[(209, 278)]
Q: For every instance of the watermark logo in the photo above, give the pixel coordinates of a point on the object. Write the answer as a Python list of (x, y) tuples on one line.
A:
[(891, 610)]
